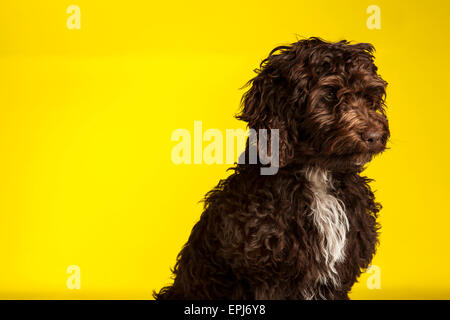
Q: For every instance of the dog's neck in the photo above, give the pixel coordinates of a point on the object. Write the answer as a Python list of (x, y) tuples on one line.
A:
[(333, 164)]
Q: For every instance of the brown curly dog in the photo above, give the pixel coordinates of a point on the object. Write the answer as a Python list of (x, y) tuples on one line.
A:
[(307, 231)]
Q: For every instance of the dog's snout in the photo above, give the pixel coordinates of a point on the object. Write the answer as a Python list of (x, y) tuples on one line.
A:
[(373, 139)]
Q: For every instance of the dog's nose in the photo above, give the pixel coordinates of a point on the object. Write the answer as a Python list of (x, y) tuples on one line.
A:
[(373, 139)]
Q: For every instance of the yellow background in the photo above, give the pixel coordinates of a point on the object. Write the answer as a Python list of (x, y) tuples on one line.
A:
[(86, 116)]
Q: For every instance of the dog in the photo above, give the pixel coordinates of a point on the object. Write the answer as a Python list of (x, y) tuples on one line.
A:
[(308, 231)]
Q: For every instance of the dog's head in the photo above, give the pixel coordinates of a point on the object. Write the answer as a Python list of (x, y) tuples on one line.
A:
[(326, 99)]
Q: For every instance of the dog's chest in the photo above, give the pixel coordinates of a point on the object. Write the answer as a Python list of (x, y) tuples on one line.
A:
[(328, 214)]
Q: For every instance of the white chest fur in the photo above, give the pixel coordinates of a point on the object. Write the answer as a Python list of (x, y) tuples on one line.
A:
[(329, 218)]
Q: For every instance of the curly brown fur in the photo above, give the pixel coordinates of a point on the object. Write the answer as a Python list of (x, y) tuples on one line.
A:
[(307, 231)]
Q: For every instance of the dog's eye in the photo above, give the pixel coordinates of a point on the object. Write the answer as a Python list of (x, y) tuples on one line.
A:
[(372, 102), (331, 96)]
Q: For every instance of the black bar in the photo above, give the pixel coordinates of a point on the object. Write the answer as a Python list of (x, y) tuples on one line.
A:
[(146, 309)]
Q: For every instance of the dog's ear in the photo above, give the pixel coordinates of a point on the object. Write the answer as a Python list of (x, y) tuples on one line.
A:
[(268, 104)]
